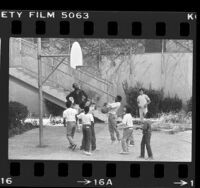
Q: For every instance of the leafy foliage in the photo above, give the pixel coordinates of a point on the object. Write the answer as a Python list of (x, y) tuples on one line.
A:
[(171, 104), (189, 105), (159, 103), (17, 113)]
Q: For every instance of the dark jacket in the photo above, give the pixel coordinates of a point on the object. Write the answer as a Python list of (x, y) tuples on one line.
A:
[(79, 97)]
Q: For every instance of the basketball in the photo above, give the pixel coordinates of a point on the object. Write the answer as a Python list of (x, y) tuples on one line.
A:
[(104, 110)]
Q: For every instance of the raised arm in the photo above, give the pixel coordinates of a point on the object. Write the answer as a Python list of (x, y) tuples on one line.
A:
[(148, 100), (69, 95), (85, 96)]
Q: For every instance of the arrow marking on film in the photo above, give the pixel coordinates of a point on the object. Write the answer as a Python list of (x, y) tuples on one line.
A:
[(85, 181), (181, 183)]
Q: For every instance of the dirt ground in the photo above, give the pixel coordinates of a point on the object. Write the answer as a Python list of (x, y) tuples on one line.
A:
[(165, 147)]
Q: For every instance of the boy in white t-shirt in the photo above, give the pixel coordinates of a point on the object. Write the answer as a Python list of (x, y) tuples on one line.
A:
[(112, 118), (143, 101), (69, 116), (127, 124), (87, 121)]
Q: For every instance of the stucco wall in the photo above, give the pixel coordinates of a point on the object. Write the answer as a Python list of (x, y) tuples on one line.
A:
[(170, 71)]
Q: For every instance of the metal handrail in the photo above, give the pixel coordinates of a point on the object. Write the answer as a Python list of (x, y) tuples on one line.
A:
[(87, 73), (33, 46), (35, 75), (64, 87)]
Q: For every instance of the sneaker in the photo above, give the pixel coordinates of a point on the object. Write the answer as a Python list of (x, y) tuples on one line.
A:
[(141, 157), (131, 145), (96, 149), (73, 147), (149, 158), (81, 148), (124, 152), (87, 153), (70, 147)]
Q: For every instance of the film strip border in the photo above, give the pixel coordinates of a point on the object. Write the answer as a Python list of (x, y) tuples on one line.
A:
[(112, 28), (100, 25), (99, 173), (104, 25)]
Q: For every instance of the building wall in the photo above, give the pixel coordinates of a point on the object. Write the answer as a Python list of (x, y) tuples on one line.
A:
[(170, 71)]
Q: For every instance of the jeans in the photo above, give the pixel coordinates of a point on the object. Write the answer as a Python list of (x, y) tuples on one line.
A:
[(71, 128), (127, 132), (93, 140), (112, 125), (146, 142), (87, 137), (131, 139)]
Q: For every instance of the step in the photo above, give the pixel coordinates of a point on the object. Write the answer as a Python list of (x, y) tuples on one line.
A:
[(57, 93)]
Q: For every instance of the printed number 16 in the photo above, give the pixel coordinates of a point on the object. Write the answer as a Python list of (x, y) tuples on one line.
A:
[(7, 181)]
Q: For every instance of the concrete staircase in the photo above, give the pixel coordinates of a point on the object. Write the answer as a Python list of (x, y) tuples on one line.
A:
[(55, 94)]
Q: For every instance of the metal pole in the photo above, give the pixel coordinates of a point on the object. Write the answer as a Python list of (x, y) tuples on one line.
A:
[(162, 56), (40, 92)]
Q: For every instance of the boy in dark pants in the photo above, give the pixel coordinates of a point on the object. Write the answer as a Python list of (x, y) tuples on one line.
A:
[(87, 121), (146, 140), (93, 137)]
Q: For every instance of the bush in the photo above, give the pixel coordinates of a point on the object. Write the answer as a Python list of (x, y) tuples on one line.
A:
[(17, 113), (189, 105), (170, 104), (154, 95), (158, 103)]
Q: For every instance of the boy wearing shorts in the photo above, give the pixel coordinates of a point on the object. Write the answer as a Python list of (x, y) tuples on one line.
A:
[(143, 101)]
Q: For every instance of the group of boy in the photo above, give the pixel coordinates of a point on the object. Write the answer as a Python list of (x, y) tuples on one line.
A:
[(127, 124), (79, 109)]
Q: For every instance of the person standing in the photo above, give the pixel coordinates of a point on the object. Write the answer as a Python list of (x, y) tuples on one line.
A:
[(146, 138), (112, 118), (78, 97), (87, 121), (127, 124), (143, 101), (69, 116)]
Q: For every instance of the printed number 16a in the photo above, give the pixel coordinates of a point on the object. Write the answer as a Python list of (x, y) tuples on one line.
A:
[(192, 183), (102, 182), (7, 181)]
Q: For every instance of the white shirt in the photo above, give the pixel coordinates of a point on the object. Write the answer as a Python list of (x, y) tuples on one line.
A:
[(127, 120), (142, 100), (86, 118), (70, 114), (114, 107)]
